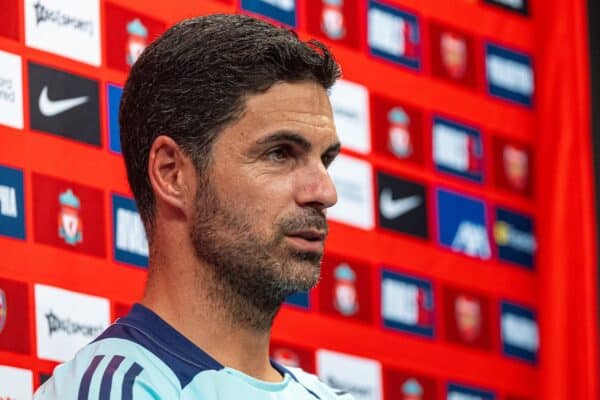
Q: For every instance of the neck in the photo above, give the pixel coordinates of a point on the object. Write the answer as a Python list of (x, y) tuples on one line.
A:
[(211, 315)]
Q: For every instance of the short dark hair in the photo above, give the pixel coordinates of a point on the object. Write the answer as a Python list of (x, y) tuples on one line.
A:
[(193, 80)]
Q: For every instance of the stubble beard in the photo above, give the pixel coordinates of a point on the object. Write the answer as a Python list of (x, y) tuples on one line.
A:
[(250, 276)]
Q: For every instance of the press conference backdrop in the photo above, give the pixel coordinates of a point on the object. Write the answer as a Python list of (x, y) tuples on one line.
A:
[(461, 263)]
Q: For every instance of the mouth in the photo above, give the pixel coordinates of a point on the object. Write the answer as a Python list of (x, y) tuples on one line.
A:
[(308, 240)]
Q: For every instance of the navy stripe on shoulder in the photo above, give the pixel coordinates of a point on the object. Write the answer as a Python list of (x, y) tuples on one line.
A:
[(144, 327), (283, 370)]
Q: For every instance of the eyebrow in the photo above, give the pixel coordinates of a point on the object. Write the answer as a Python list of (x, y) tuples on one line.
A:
[(289, 136)]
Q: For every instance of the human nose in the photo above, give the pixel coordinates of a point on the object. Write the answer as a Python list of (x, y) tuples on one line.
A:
[(317, 189)]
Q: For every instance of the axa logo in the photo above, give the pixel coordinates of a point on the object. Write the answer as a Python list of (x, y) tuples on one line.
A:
[(12, 215), (462, 224)]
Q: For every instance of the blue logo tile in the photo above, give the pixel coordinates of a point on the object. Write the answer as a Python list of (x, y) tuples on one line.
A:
[(394, 35), (407, 304), (510, 74), (283, 11), (520, 332), (12, 205), (462, 224), (455, 391), (457, 149), (514, 237), (129, 238), (114, 99)]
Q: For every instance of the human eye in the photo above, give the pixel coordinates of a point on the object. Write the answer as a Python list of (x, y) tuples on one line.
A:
[(328, 158), (279, 153)]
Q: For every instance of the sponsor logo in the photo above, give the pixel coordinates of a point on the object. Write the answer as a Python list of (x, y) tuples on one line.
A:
[(69, 223), (50, 108), (300, 299), (405, 385), (462, 224), (519, 331), (334, 19), (519, 6), (15, 383), (394, 35), (11, 90), (407, 304), (353, 181), (66, 321), (283, 11), (513, 234), (460, 392), (513, 166), (12, 206), (129, 33), (350, 103), (56, 325), (452, 55), (509, 74), (64, 104), (346, 299), (402, 205), (113, 95), (457, 149), (467, 318), (361, 377), (68, 215), (69, 28), (10, 20), (401, 128), (14, 316), (344, 288), (467, 312), (293, 356), (129, 237)]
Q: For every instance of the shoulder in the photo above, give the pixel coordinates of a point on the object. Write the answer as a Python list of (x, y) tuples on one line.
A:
[(111, 369), (138, 357), (319, 389)]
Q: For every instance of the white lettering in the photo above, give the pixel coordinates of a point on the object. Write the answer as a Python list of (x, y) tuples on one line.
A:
[(472, 239), (8, 202), (131, 236), (386, 32), (400, 302), (450, 147), (510, 75), (520, 332)]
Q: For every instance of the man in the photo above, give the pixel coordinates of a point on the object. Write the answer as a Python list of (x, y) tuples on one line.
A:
[(227, 133)]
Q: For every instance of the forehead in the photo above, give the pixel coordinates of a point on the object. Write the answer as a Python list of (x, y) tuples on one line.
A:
[(302, 107)]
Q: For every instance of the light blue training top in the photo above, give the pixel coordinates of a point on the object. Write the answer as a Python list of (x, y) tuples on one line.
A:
[(141, 357)]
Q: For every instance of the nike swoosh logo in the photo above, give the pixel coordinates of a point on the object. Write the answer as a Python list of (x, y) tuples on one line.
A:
[(392, 209), (50, 108)]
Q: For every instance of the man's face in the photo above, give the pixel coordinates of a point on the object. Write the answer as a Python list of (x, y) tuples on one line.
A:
[(260, 216)]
